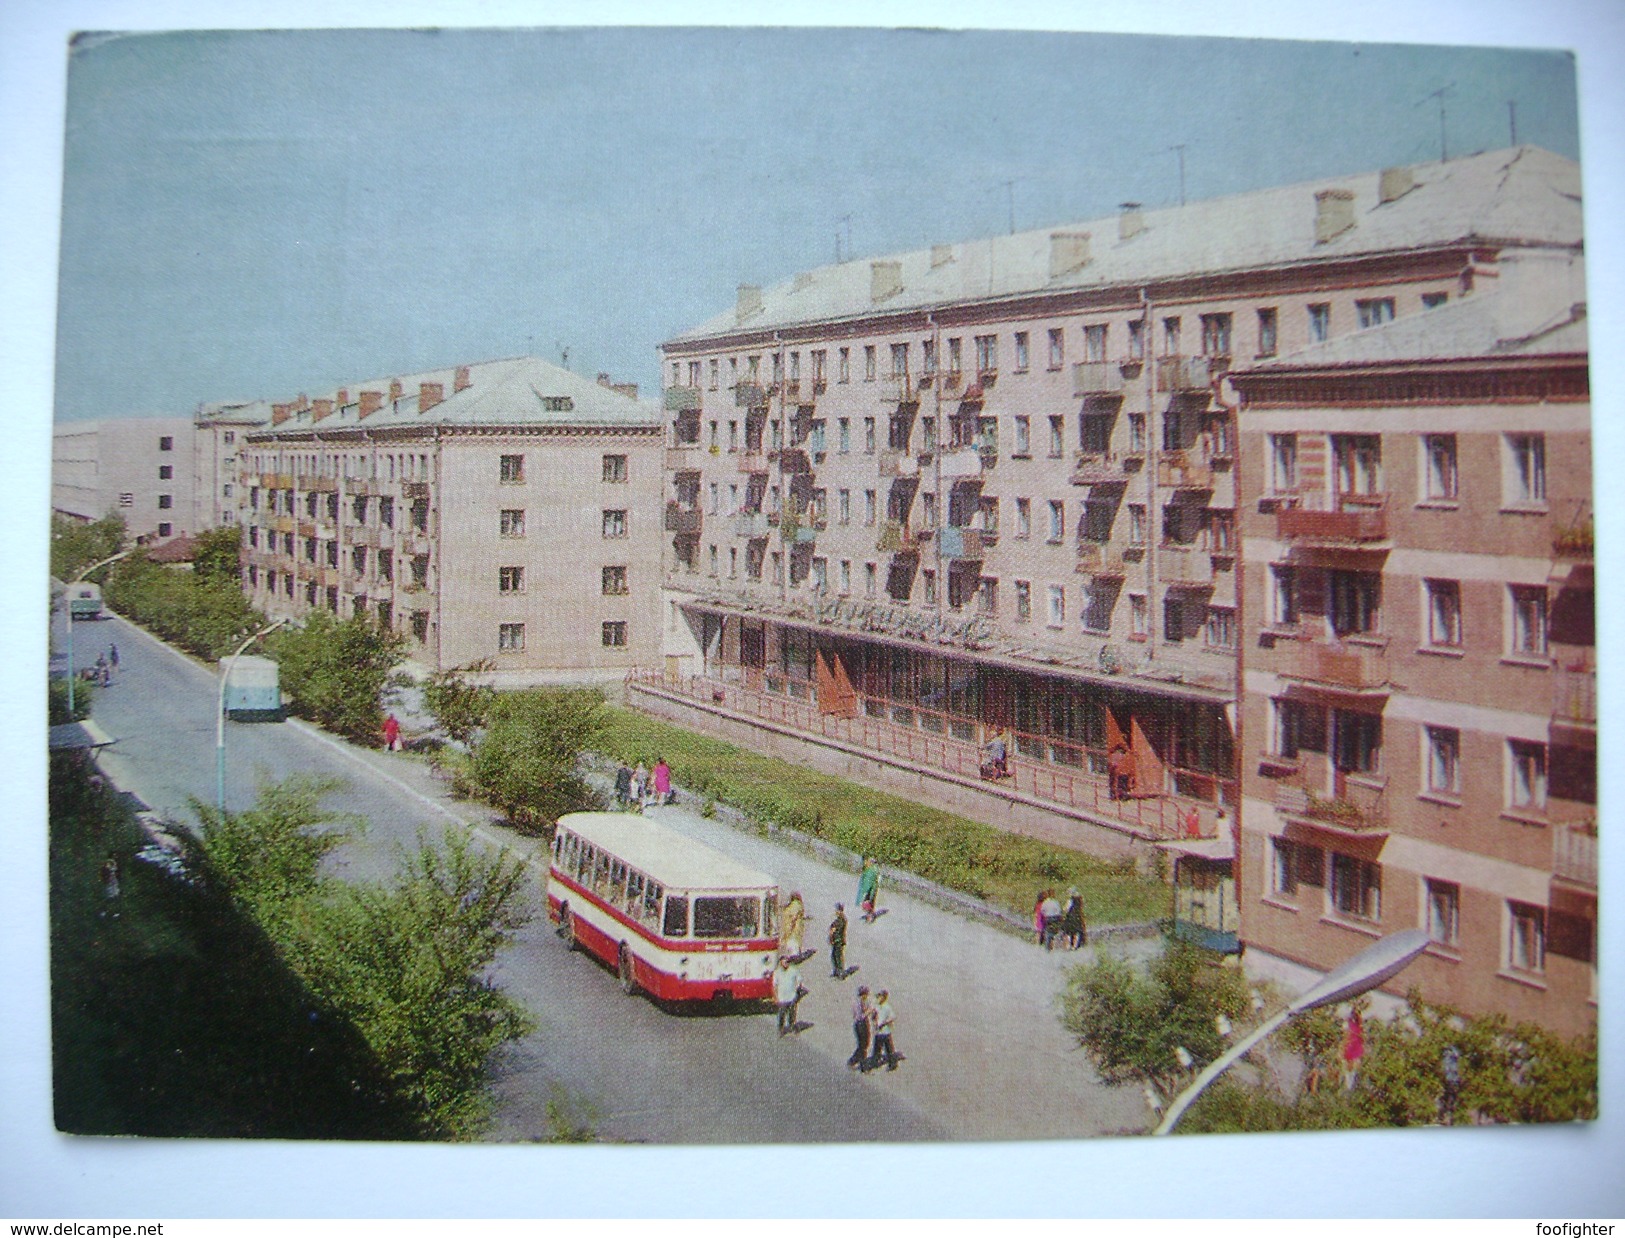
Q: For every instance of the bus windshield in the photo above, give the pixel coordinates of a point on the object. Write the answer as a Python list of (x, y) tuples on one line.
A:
[(732, 915)]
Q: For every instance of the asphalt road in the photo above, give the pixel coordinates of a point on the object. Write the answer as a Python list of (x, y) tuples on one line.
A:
[(985, 1055)]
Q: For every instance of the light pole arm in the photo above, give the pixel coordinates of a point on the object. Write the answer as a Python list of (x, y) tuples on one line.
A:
[(73, 670), (220, 715), (1217, 1067)]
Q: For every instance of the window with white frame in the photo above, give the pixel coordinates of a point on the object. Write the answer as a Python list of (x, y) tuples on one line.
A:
[(511, 637), (1267, 332), (1374, 311), (1320, 322), (1356, 887), (1216, 335), (869, 576), (869, 363), (1023, 436), (1136, 339), (1443, 613), (614, 523), (1024, 601), (614, 580), (1527, 626), (510, 580), (1442, 760), (1057, 348), (899, 361), (928, 357), (987, 354), (1057, 437), (1221, 627), (846, 575), (1057, 606), (511, 469), (1139, 616), (613, 633), (1094, 342), (844, 507), (512, 522), (843, 366), (1295, 864), (868, 507), (1526, 775), (1442, 906), (820, 575), (1057, 520), (1357, 463), (1023, 352), (1283, 463), (1439, 478), (844, 435), (1525, 465), (1283, 595), (1024, 518), (1526, 937)]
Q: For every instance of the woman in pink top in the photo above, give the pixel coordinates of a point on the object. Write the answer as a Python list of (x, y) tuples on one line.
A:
[(662, 781)]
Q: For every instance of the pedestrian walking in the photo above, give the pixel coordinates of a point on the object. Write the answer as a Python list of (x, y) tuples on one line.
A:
[(885, 1021), (837, 943), (112, 656), (392, 734), (640, 786), (1051, 910), (103, 674), (1353, 1049), (1038, 918), (793, 925), (662, 782), (862, 1022), (787, 991), (623, 786), (1450, 1067), (1072, 927), (869, 890)]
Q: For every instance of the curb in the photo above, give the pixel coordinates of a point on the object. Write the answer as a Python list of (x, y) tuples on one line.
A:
[(601, 767)]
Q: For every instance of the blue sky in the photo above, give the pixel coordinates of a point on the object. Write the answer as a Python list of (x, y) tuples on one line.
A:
[(256, 213)]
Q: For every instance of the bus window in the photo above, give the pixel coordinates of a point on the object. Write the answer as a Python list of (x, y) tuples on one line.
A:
[(583, 865), (600, 872), (676, 921), (572, 847), (770, 913), (558, 845), (651, 904), (617, 882), (634, 891), (727, 915)]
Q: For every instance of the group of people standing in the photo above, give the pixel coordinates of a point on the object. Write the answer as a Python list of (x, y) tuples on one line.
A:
[(1051, 920), (106, 664), (640, 788)]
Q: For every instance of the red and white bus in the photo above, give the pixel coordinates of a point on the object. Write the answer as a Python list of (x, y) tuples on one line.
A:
[(675, 918)]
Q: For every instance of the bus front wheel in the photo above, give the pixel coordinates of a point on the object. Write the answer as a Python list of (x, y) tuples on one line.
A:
[(629, 982)]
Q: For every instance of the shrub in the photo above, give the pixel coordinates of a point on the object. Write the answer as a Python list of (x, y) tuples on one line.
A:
[(335, 672)]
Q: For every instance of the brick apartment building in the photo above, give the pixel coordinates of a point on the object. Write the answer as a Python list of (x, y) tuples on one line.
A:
[(500, 510)]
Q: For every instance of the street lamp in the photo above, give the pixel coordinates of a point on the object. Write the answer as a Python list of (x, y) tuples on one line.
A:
[(1375, 964), (220, 715), (86, 572)]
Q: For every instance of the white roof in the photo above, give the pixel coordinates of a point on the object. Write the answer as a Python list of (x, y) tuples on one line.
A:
[(1522, 194), (674, 860)]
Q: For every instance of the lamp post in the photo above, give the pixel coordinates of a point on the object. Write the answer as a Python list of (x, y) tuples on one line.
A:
[(220, 715), (1375, 964), (72, 670)]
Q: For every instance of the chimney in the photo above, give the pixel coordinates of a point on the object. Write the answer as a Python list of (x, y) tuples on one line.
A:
[(750, 302), (371, 402), (280, 413), (301, 404), (885, 280), (1394, 183), (343, 398), (394, 389), (941, 256), (603, 378), (1334, 214), (1068, 253), (430, 394), (320, 409), (1130, 223), (629, 390), (461, 381)]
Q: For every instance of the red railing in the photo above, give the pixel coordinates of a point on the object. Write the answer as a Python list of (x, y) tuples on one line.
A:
[(1158, 815)]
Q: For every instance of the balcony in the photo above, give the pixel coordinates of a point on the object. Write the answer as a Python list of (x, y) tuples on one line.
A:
[(1574, 707), (1185, 566), (1183, 374), (682, 399), (415, 489), (753, 460), (1350, 668), (898, 391), (1354, 807), (1355, 521), (750, 395), (1095, 559), (1097, 468), (680, 519), (1096, 378), (897, 464), (960, 544), (1177, 470), (1575, 544), (751, 525), (684, 457), (962, 464), (1574, 854), (896, 537)]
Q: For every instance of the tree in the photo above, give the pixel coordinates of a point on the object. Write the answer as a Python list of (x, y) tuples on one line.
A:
[(335, 671), (460, 705), (206, 616), (75, 544), (217, 556), (525, 762)]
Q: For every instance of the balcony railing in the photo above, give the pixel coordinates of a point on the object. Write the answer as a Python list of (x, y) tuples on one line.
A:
[(750, 395), (751, 524), (680, 519), (962, 463), (1178, 471), (684, 456), (898, 391), (1353, 808), (1574, 697), (753, 461), (1096, 559), (1356, 519), (1183, 373), (896, 537), (1351, 667), (1096, 468), (1574, 854), (1096, 378), (682, 399), (1181, 565), (415, 489), (894, 463), (960, 544)]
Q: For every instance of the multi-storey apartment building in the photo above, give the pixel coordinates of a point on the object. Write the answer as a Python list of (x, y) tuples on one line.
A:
[(1419, 708), (140, 468), (988, 489), (218, 433), (501, 510)]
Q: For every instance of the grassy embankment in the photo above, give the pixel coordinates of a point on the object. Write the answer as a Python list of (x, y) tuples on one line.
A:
[(1005, 869), (171, 1015)]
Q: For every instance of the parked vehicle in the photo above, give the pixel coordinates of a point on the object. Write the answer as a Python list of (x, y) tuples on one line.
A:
[(85, 601), (254, 691)]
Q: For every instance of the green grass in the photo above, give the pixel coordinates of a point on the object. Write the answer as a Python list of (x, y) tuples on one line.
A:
[(171, 1015), (1003, 868)]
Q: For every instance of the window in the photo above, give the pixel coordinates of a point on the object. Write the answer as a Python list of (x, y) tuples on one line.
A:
[(868, 507), (1444, 613), (1057, 437), (1439, 466), (1024, 601), (1136, 524), (846, 576), (1136, 339), (614, 580), (1139, 616), (1094, 343), (1433, 300), (820, 575), (1443, 909), (987, 595), (869, 436), (955, 365), (1267, 332), (614, 523), (1023, 436), (1528, 628), (1526, 937), (1024, 518), (614, 634), (1356, 888), (1526, 470), (987, 354), (1356, 602), (1098, 602), (615, 469), (1356, 741), (1293, 864), (844, 435), (511, 637), (1283, 463), (715, 375), (868, 580), (166, 443), (1170, 337), (1057, 520), (1221, 627), (868, 363), (1057, 606), (1216, 335), (510, 580), (1374, 312), (1442, 752), (1320, 322), (229, 436), (1136, 433), (1527, 774), (165, 502), (165, 528), (1023, 353), (899, 361), (513, 522), (1057, 348), (928, 584), (844, 507), (1357, 463), (512, 470), (166, 472)]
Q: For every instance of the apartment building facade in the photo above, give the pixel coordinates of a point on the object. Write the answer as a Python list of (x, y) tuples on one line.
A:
[(218, 435), (1419, 670), (989, 489), (140, 468), (501, 510)]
